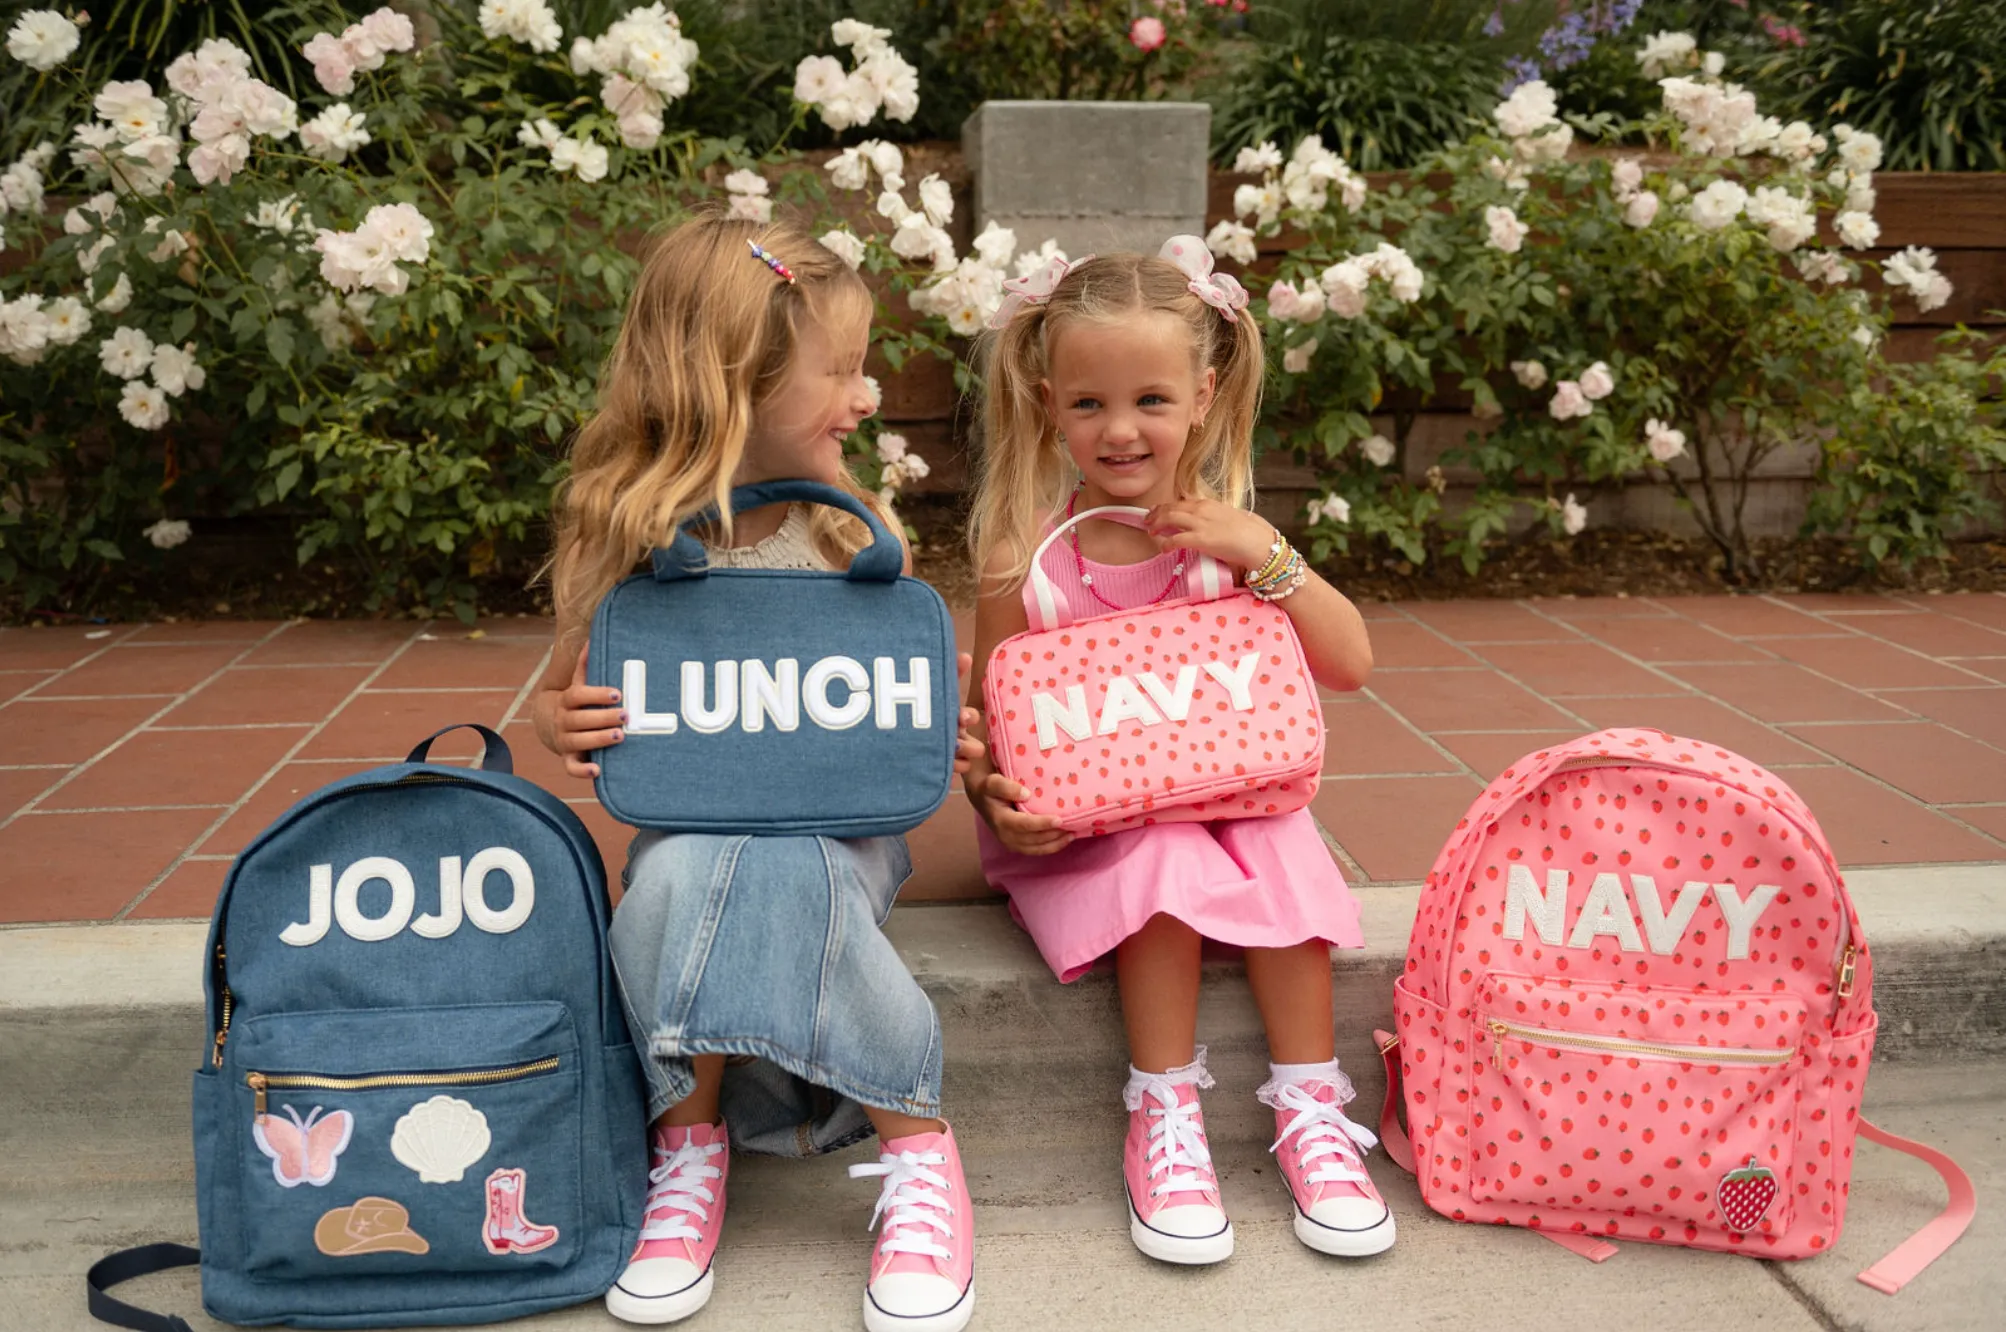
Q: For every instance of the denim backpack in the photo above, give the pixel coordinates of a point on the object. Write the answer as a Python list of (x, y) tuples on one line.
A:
[(778, 701), (417, 1102)]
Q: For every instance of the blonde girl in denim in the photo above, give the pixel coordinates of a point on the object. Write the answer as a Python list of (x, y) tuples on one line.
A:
[(756, 978)]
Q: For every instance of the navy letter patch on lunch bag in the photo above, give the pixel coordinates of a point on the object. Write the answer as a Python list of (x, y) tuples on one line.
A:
[(778, 700), (417, 1101)]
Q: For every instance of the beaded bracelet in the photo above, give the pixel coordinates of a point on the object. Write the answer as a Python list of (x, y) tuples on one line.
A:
[(1277, 557), (1283, 581), (1298, 573)]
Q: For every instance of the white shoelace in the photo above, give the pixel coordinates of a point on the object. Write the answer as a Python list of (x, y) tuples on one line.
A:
[(678, 1186), (1325, 1131), (912, 1201), (1176, 1140)]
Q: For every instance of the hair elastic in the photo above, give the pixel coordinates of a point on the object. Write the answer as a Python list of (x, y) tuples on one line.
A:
[(763, 257)]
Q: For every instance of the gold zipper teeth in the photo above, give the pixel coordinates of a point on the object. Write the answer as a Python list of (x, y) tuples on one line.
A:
[(1685, 1054), (260, 1083)]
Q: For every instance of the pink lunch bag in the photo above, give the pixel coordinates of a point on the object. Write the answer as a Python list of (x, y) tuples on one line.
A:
[(1199, 708), (1637, 1004)]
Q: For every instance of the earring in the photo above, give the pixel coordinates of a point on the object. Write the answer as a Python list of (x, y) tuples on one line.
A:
[(1062, 438)]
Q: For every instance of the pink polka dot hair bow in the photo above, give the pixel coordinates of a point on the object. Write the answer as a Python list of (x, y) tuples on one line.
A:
[(1221, 291), (1034, 289)]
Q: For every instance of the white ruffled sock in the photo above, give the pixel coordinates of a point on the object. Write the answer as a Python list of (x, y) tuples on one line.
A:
[(1283, 1075), (1138, 1081)]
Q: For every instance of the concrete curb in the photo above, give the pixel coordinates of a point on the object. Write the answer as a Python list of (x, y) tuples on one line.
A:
[(1938, 935)]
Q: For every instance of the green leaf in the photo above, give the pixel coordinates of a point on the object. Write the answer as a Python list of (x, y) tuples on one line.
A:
[(287, 478), (279, 340)]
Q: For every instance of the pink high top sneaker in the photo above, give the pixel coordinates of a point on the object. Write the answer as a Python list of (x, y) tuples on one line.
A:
[(923, 1269), (669, 1276), (1321, 1155), (1174, 1212)]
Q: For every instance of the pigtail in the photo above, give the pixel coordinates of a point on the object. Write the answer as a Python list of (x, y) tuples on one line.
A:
[(1022, 468), (1222, 457)]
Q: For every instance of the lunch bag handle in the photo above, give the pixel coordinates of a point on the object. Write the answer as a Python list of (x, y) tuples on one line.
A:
[(1205, 578), (883, 561)]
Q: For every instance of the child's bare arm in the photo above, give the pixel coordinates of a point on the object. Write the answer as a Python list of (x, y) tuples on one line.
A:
[(999, 613), (574, 718)]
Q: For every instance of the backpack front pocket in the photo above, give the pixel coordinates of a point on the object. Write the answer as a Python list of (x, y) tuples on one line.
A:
[(1672, 1107), (409, 1140)]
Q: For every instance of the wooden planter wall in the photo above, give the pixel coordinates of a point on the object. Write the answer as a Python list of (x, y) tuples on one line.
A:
[(1960, 216)]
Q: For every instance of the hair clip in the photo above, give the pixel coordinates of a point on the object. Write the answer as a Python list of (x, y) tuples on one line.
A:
[(763, 257), (1221, 291)]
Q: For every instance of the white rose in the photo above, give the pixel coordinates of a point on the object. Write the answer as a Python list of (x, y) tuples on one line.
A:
[(995, 245), (175, 369), (1663, 442), (1625, 176), (41, 39), (120, 296), (1569, 401), (1296, 359), (1507, 232), (1344, 288), (1550, 145), (1717, 205), (126, 353), (168, 532), (1858, 230), (1263, 157), (67, 320), (1866, 337), (750, 208), (844, 245), (1232, 240), (1641, 209), (818, 78), (334, 133), (746, 182), (1596, 382), (1378, 450), (886, 160), (1531, 107), (1858, 150), (1573, 517), (1666, 51), (143, 405), (1331, 508), (891, 448), (1713, 63), (1531, 374), (861, 38), (849, 169), (937, 199), (1511, 174)]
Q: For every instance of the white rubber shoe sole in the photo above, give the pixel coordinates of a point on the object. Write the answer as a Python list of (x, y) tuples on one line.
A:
[(1345, 1243), (1191, 1251), (631, 1308), (947, 1320)]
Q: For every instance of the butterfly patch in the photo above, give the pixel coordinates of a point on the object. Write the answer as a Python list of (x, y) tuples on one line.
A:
[(303, 1151)]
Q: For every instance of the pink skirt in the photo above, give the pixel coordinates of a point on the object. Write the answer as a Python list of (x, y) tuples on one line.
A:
[(1252, 883)]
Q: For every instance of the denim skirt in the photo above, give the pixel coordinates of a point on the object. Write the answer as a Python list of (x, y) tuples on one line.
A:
[(770, 950)]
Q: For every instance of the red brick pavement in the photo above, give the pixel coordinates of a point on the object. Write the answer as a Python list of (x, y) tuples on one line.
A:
[(135, 760)]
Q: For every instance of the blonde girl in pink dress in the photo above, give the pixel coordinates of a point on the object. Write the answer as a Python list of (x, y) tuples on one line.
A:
[(1131, 380)]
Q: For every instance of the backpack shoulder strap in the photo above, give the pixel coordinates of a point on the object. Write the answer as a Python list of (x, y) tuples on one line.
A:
[(1924, 1247), (124, 1265)]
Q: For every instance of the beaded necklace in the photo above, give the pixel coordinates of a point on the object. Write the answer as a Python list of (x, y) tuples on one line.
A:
[(1087, 579)]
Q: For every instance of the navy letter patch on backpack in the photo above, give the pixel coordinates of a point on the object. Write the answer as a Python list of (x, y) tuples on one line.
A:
[(418, 1103)]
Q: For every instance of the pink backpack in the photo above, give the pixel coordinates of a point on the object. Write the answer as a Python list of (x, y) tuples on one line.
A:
[(1637, 1004), (1198, 708)]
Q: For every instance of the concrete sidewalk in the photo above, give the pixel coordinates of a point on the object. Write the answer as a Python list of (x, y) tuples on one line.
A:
[(89, 1170)]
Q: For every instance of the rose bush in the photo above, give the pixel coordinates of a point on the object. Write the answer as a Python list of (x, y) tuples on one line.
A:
[(1673, 316), (378, 314)]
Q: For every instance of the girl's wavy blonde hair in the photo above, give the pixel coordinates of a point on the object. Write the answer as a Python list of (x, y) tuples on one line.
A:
[(1024, 473), (708, 336)]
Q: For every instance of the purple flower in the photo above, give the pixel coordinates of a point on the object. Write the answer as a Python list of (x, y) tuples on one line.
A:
[(1519, 69)]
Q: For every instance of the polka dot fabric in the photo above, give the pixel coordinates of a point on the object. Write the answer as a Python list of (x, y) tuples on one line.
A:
[(1637, 1004), (1221, 761)]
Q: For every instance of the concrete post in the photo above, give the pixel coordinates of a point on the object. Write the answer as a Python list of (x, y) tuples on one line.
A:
[(1094, 176)]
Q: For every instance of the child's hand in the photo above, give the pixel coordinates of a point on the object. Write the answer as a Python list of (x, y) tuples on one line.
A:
[(1236, 536), (995, 797), (969, 749), (580, 718)]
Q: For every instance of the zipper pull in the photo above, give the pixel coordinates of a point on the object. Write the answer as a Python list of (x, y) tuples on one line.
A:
[(1498, 1030), (1846, 969), (216, 1058), (257, 1081)]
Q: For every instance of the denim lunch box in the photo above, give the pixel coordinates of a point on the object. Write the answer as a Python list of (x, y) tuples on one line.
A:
[(778, 701)]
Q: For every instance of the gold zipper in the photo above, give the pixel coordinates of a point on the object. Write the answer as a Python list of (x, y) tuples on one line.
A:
[(1846, 969), (260, 1083), (222, 1032), (1688, 1054)]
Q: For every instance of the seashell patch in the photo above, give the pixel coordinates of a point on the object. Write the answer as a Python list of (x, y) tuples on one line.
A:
[(440, 1138)]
